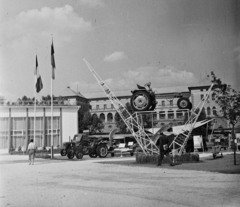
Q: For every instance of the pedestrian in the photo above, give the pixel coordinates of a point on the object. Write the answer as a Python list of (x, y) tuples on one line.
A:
[(164, 143), (31, 152)]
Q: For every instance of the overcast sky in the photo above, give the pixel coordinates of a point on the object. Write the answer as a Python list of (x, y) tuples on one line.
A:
[(167, 42)]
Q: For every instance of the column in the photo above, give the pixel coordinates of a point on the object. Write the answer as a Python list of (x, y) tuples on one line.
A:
[(27, 125), (44, 129), (9, 131), (60, 128)]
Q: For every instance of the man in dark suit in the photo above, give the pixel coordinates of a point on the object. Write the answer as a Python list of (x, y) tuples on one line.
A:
[(164, 142)]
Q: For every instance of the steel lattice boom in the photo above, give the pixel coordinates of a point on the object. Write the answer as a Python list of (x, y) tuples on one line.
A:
[(181, 139), (132, 121)]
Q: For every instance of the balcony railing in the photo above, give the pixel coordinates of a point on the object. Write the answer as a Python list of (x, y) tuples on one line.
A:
[(42, 103)]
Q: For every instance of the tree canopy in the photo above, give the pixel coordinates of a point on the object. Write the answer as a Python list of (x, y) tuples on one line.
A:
[(228, 101), (89, 122)]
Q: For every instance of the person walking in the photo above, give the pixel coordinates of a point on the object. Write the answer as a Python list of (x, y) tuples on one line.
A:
[(164, 143), (31, 152)]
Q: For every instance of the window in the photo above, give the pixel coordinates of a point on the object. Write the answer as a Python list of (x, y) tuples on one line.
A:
[(97, 106), (162, 114), (154, 116), (112, 107), (163, 103), (213, 96), (102, 117), (171, 102), (202, 97), (208, 111), (179, 114), (170, 114), (204, 111), (109, 117), (214, 111), (105, 106), (49, 131)]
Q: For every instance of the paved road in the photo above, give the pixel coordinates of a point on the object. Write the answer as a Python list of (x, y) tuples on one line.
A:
[(89, 183)]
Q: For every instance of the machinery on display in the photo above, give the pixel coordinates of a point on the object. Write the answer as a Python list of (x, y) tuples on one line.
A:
[(132, 121), (82, 145), (144, 99)]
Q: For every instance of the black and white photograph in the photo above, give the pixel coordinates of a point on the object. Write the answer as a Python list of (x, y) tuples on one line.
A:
[(120, 103)]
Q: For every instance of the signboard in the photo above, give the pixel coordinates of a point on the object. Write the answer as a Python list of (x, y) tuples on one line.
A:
[(198, 141)]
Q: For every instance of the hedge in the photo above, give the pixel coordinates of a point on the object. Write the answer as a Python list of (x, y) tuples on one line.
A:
[(153, 159)]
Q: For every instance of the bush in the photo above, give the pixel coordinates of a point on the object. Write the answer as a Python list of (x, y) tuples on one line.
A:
[(153, 159)]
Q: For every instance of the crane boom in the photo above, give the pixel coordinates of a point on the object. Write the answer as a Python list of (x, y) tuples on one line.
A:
[(180, 141), (132, 121)]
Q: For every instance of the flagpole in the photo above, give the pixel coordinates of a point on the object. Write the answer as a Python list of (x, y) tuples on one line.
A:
[(35, 94), (52, 142), (52, 118)]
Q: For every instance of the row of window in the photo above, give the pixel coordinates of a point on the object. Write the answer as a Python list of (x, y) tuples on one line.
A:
[(112, 107), (163, 115), (213, 97), (163, 103), (18, 131)]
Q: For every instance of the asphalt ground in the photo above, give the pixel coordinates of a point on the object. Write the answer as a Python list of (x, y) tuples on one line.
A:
[(109, 182)]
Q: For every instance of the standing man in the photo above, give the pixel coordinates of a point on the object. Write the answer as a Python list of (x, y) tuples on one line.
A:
[(164, 143), (31, 152)]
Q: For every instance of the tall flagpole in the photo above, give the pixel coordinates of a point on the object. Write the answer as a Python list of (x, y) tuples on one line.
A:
[(52, 118), (52, 141), (35, 94)]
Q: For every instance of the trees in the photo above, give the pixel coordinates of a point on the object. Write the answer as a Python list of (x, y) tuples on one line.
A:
[(228, 101), (89, 122)]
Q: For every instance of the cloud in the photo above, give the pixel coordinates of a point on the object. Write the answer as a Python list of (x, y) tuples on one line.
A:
[(168, 79), (93, 3), (63, 22), (114, 57), (161, 77)]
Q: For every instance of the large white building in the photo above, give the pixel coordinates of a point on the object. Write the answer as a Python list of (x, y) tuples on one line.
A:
[(17, 125)]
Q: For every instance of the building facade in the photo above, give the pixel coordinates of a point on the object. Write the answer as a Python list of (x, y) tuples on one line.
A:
[(166, 110), (210, 107), (17, 125)]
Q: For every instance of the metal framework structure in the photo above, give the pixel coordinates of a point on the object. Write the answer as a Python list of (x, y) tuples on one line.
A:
[(181, 139), (132, 121)]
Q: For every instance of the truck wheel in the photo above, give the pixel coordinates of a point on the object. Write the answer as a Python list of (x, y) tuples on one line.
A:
[(140, 101), (183, 103), (70, 154), (102, 151), (63, 152), (79, 155), (92, 153)]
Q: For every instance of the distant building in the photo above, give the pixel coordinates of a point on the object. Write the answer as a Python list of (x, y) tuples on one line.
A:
[(210, 107), (17, 125)]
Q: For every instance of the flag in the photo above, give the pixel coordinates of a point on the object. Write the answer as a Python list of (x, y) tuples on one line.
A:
[(53, 62), (39, 84)]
